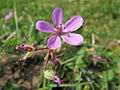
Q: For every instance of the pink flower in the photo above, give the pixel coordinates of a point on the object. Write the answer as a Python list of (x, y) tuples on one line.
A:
[(9, 15), (71, 25), (57, 80)]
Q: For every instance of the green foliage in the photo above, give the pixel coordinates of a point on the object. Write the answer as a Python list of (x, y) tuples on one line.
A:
[(12, 86), (101, 18)]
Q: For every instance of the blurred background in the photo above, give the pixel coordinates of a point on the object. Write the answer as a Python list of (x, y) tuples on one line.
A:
[(101, 32)]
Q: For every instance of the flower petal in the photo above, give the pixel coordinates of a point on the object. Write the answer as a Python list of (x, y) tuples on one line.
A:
[(73, 24), (44, 27), (72, 38), (57, 80), (9, 15), (54, 42), (57, 16)]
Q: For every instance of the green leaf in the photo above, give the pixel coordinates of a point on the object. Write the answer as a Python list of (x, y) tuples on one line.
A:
[(108, 75), (70, 84), (79, 59), (86, 87)]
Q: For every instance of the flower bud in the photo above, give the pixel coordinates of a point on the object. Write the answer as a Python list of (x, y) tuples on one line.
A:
[(49, 74), (27, 48)]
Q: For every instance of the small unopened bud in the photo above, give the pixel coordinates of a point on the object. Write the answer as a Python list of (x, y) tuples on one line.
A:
[(56, 62), (49, 74), (57, 80), (24, 48)]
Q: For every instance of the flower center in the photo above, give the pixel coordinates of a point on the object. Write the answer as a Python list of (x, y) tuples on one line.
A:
[(59, 30)]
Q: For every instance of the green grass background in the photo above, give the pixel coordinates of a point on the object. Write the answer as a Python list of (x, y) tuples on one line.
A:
[(101, 20)]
